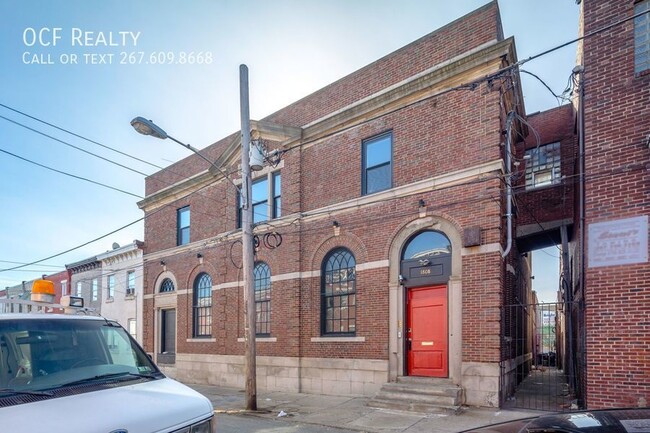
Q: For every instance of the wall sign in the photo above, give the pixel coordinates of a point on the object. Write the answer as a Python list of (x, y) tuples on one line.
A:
[(619, 242)]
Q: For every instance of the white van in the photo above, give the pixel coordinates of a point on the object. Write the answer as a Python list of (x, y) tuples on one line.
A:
[(79, 373)]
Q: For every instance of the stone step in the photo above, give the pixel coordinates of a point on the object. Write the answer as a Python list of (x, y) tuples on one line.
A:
[(410, 406), (418, 394)]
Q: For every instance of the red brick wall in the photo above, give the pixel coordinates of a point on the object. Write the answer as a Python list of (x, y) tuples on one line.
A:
[(617, 123), (553, 202)]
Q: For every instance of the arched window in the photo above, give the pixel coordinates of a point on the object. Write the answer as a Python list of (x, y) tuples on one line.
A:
[(202, 306), (338, 293), (262, 274), (427, 244), (167, 286)]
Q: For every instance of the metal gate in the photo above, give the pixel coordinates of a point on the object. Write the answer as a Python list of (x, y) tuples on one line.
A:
[(539, 367)]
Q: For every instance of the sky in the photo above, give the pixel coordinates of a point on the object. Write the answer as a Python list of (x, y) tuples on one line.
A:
[(90, 66)]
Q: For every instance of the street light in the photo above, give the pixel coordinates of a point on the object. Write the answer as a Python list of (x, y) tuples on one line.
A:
[(147, 127)]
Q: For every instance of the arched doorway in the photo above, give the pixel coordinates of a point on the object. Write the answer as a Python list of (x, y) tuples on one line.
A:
[(425, 268)]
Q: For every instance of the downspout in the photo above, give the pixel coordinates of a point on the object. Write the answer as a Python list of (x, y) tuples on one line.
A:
[(508, 179), (579, 70)]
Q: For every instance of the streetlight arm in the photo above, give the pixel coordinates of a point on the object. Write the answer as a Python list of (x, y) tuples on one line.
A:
[(147, 127)]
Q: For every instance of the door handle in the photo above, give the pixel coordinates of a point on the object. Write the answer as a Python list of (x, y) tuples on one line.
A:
[(408, 344)]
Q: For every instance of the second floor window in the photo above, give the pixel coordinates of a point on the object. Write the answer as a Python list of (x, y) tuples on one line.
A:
[(130, 283), (543, 165), (642, 37), (95, 289), (79, 288), (266, 199), (64, 288), (111, 287), (183, 226), (377, 167)]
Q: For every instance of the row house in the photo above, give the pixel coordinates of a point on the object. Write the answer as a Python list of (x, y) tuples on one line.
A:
[(385, 243), (111, 284), (122, 278)]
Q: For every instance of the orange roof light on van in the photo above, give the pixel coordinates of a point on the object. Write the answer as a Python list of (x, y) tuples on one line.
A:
[(43, 291)]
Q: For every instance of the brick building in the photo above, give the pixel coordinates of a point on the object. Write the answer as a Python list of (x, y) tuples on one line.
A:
[(616, 271), (384, 211)]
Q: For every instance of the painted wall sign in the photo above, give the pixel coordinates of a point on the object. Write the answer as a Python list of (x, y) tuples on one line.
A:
[(619, 242)]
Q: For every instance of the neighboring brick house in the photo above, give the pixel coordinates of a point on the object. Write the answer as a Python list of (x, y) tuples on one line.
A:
[(617, 203), (389, 200), (121, 280), (61, 282), (85, 281)]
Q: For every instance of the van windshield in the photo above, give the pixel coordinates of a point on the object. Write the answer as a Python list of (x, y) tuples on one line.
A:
[(43, 354)]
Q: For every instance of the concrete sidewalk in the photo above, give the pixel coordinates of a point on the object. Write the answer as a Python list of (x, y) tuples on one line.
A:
[(351, 413)]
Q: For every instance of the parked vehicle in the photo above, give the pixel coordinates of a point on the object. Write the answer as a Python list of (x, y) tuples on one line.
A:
[(594, 421), (68, 372)]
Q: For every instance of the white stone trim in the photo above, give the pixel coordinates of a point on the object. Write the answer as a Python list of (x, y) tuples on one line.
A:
[(228, 285), (338, 339), (201, 340), (295, 276), (259, 340), (402, 83), (482, 249), (372, 265)]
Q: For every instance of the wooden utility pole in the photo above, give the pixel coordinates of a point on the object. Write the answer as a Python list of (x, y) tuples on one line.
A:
[(247, 244)]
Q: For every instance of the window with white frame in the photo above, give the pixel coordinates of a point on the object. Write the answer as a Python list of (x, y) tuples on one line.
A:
[(111, 287), (543, 165), (132, 328), (130, 283), (95, 289), (64, 288), (79, 288), (642, 36), (266, 198)]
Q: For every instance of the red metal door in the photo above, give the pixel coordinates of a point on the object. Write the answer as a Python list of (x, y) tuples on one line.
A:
[(427, 343)]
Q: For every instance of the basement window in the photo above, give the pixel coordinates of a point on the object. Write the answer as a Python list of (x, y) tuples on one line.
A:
[(543, 165)]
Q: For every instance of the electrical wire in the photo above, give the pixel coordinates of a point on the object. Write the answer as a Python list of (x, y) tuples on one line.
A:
[(73, 146), (80, 136), (85, 179)]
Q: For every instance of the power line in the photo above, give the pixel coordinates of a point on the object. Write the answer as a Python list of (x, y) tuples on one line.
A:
[(72, 146), (85, 179), (81, 136)]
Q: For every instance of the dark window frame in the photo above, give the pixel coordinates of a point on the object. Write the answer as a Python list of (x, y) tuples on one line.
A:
[(642, 37), (364, 162), (167, 286), (181, 230), (541, 159), (202, 306), (262, 283), (272, 200), (334, 302)]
